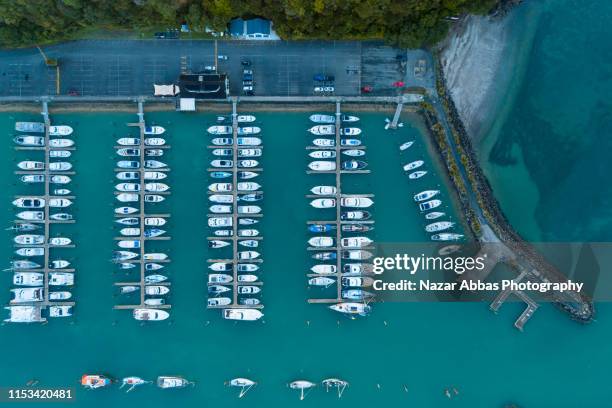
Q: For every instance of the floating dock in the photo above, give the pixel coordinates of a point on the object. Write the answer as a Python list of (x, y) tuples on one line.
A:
[(142, 214), (235, 239), (46, 222), (338, 222)]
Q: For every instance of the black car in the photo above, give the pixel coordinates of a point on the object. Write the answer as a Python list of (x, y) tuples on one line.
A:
[(245, 62)]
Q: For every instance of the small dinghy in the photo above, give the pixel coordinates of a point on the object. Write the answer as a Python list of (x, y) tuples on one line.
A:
[(406, 145)]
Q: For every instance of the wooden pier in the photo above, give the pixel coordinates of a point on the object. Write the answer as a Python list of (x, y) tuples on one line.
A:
[(532, 305), (235, 238), (46, 222), (338, 222), (142, 215)]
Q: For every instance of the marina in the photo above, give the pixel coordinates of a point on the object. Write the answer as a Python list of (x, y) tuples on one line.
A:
[(43, 283), (139, 226), (234, 285)]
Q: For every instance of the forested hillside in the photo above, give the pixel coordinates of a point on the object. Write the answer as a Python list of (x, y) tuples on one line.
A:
[(407, 23)]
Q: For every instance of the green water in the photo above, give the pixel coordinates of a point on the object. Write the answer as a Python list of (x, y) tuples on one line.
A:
[(425, 347)]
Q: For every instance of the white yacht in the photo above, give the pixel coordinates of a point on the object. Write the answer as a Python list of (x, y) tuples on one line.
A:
[(29, 202), (26, 295), (354, 152), (417, 174), (250, 152), (24, 314), (351, 308), (156, 187), (245, 118), (31, 215), (59, 166), (60, 179), (431, 204), (248, 130), (247, 186), (28, 279), (323, 130), (322, 118), (31, 127), (172, 382), (36, 251), (356, 202), (156, 290), (220, 209), (154, 175), (321, 281), (32, 178), (221, 198), (155, 221), (128, 164), (247, 163), (127, 197), (54, 154), (220, 130), (59, 202), (322, 154), (61, 130), (301, 385), (60, 311), (61, 279), (446, 236), (34, 141), (324, 142), (323, 269), (406, 145), (222, 141), (60, 241), (322, 165), (220, 187), (249, 209), (128, 141), (425, 195), (61, 143), (321, 242), (355, 242), (242, 314), (150, 315), (439, 226), (127, 187), (323, 203), (323, 190), (218, 222), (248, 141), (350, 131), (219, 301), (154, 164), (413, 165), (154, 130), (29, 239), (154, 141), (220, 278), (31, 165)]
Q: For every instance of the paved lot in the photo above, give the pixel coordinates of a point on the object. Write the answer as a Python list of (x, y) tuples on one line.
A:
[(131, 67)]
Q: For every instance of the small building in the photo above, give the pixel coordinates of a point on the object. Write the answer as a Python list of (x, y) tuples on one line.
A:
[(252, 29), (204, 85)]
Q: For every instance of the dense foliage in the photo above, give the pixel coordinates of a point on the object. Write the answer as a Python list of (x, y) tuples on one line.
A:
[(407, 23)]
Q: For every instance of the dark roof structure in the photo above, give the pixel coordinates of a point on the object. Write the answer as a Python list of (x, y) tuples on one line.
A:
[(203, 86)]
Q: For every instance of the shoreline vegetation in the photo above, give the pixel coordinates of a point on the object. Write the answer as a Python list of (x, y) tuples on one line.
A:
[(405, 23)]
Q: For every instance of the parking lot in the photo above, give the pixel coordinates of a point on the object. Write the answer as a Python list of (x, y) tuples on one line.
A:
[(280, 68)]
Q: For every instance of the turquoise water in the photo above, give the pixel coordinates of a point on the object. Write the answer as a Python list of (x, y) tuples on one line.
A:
[(423, 347), (548, 156)]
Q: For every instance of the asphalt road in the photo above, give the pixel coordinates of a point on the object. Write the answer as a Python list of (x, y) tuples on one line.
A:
[(280, 68)]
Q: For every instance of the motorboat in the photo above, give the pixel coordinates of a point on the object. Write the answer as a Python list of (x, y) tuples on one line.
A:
[(220, 278), (447, 236), (126, 265), (356, 202), (31, 215), (322, 165), (217, 289), (29, 239), (245, 118), (356, 294), (222, 163), (59, 166), (129, 244), (152, 266), (323, 269), (25, 295), (247, 221), (35, 251), (248, 130), (323, 130), (155, 301), (155, 256), (93, 382), (128, 164), (248, 141), (354, 165), (433, 215), (321, 242), (56, 154), (301, 385), (247, 186), (357, 281), (249, 152), (128, 152), (321, 281), (323, 203), (425, 195), (220, 174), (248, 278), (31, 165), (156, 187), (354, 152), (221, 198), (154, 130), (355, 215), (322, 118), (59, 202), (355, 242), (248, 290), (322, 154), (350, 131), (61, 143), (249, 209), (220, 266), (323, 190), (23, 264), (220, 209), (220, 187), (60, 241), (146, 314), (222, 152), (60, 295), (127, 197), (128, 187), (23, 227), (24, 314), (248, 255), (220, 130), (28, 279), (350, 142), (242, 314), (219, 301), (154, 152), (413, 165), (216, 243), (172, 382), (349, 118), (61, 279), (61, 217), (352, 308), (242, 267), (125, 210), (128, 141), (29, 202), (156, 290), (406, 145), (324, 142), (60, 311), (126, 289), (246, 175), (439, 226), (321, 227), (219, 222), (222, 141), (325, 256), (59, 264), (155, 221), (30, 141), (251, 197), (30, 127), (154, 175), (431, 204), (61, 130), (154, 141), (248, 233), (154, 164), (357, 268), (61, 191), (357, 255), (153, 198), (60, 179), (128, 175), (120, 256), (247, 163), (32, 178), (132, 382)]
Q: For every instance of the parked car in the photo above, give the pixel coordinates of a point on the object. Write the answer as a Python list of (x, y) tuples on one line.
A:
[(247, 72), (245, 62), (222, 57), (247, 77)]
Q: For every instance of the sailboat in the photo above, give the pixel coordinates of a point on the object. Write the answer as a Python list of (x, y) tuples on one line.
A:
[(132, 382), (243, 383), (301, 385), (335, 383)]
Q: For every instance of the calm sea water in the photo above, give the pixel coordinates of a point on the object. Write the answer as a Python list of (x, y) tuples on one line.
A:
[(423, 347)]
